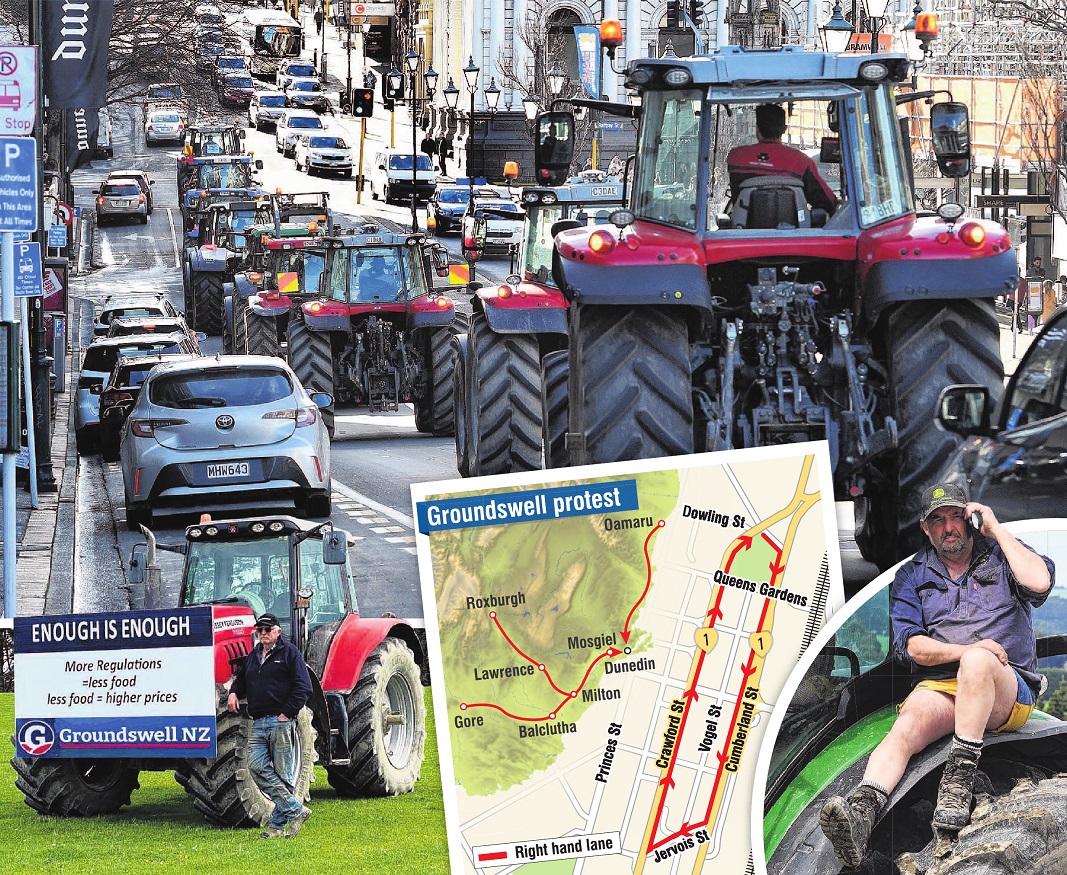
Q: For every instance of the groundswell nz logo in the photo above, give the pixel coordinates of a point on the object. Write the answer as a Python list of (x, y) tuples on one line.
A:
[(36, 737)]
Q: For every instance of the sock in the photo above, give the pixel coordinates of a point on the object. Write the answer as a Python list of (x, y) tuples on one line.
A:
[(969, 746)]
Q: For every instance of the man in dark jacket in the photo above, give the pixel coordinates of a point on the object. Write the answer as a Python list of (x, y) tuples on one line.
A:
[(275, 680), (960, 613)]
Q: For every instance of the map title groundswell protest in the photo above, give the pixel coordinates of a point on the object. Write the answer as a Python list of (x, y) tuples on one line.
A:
[(527, 506)]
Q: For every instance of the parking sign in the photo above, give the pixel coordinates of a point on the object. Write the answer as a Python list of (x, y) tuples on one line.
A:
[(28, 280), (18, 184)]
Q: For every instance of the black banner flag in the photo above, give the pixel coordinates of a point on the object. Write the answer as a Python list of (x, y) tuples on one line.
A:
[(83, 128), (74, 52)]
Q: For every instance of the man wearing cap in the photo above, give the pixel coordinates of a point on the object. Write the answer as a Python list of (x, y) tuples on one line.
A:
[(960, 614), (275, 680)]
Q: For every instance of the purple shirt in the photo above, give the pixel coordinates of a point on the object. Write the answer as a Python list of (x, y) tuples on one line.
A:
[(986, 602)]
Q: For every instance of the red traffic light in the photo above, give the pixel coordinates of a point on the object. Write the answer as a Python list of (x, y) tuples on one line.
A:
[(363, 102)]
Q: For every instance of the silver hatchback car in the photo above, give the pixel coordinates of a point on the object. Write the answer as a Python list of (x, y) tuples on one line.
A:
[(236, 431), (121, 200)]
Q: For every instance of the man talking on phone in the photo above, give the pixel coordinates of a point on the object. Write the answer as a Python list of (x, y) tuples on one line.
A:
[(960, 620)]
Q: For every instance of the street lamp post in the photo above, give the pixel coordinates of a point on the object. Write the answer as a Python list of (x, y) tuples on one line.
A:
[(836, 32), (876, 12), (411, 62), (470, 74)]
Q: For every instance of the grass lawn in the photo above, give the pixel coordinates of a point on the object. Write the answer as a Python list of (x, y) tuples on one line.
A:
[(161, 832)]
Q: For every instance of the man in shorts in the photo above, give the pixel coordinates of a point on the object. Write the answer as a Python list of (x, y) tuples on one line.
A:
[(961, 621)]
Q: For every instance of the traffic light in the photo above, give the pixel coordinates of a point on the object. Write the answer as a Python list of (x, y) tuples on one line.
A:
[(391, 92), (673, 13), (696, 12), (363, 102), (387, 100)]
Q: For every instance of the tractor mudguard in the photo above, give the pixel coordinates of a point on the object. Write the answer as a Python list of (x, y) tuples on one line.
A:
[(528, 309), (431, 318), (633, 284), (327, 322), (227, 309), (258, 305), (232, 638), (525, 320), (242, 287), (206, 260), (804, 849), (353, 643), (928, 279)]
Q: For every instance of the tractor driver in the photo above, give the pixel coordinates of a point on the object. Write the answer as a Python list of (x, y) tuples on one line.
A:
[(960, 619), (376, 279), (771, 157)]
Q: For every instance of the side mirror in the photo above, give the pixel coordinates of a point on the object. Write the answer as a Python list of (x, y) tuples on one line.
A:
[(950, 130), (964, 409), (439, 256), (475, 230), (200, 337), (96, 389), (259, 164), (555, 147), (830, 150), (321, 399), (151, 182), (242, 133), (335, 547)]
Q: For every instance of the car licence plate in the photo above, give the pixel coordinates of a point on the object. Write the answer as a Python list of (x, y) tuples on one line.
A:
[(228, 470)]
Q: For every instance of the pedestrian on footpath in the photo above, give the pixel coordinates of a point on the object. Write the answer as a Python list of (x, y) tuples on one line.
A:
[(444, 151), (429, 148), (275, 680), (318, 21)]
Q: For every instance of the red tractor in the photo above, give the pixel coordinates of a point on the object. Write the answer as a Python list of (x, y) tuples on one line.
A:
[(705, 318), (379, 332), (516, 326), (365, 721)]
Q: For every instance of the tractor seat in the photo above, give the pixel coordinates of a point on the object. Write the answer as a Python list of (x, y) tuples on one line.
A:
[(771, 203)]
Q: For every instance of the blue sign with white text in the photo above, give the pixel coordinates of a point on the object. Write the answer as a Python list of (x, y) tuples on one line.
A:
[(18, 184), (57, 235), (28, 278)]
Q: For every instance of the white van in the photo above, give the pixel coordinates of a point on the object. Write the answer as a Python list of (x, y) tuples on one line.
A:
[(390, 176)]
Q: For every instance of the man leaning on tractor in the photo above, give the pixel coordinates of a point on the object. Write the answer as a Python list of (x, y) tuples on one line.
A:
[(960, 615)]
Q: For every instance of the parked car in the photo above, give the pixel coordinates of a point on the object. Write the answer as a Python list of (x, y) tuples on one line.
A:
[(236, 89), (306, 94), (505, 221), (323, 153), (163, 126), (1012, 458), (161, 91), (447, 205), (291, 123), (264, 108), (226, 65), (120, 200), (143, 183), (232, 430), (131, 304), (135, 326), (100, 358), (209, 47), (118, 393), (208, 14), (293, 70)]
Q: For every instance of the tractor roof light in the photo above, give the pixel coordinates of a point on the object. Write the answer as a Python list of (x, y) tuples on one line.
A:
[(926, 27), (611, 33), (678, 76), (503, 291)]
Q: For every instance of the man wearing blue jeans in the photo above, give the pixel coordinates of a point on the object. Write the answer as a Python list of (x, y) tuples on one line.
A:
[(961, 621), (275, 680)]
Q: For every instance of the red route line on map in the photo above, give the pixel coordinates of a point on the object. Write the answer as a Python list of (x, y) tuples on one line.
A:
[(746, 670), (611, 651)]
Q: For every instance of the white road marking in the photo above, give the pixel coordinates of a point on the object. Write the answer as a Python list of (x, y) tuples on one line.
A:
[(349, 493), (173, 238)]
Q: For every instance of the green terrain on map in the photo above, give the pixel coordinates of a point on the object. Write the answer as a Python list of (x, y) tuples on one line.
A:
[(578, 580)]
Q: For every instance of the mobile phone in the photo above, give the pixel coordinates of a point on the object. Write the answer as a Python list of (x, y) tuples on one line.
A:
[(976, 521)]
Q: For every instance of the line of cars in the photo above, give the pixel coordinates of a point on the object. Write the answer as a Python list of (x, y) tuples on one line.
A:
[(238, 431)]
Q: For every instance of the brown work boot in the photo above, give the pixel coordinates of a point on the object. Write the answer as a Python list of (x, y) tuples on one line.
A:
[(847, 822), (953, 809)]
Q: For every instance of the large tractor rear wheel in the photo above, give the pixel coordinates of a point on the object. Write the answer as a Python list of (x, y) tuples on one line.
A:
[(505, 400), (75, 787), (554, 402), (260, 334), (636, 383), (223, 788), (925, 346), (433, 413), (386, 726), (311, 359), (207, 294), (461, 426)]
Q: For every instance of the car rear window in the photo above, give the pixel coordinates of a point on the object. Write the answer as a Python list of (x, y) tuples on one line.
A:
[(122, 329), (236, 387), (300, 70), (238, 82), (128, 313), (123, 190), (272, 100), (102, 357), (232, 63), (305, 122), (165, 117), (455, 196)]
